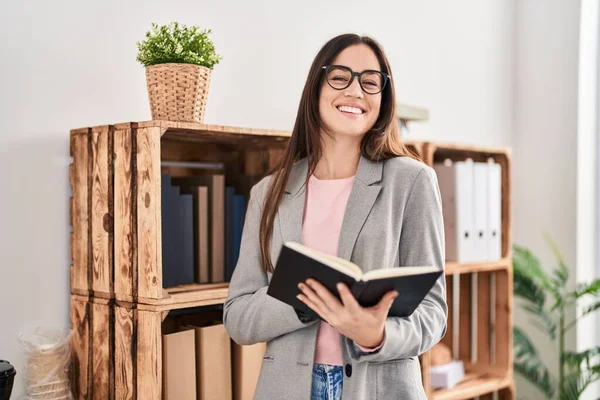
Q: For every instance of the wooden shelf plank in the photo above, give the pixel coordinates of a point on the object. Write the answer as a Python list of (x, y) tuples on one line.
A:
[(473, 385), (468, 148), (198, 129), (464, 268), (187, 296)]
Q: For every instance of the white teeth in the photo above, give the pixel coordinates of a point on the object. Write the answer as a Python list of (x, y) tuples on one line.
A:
[(353, 110)]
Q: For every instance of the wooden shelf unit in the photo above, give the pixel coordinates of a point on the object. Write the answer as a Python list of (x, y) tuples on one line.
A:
[(118, 301), (489, 358)]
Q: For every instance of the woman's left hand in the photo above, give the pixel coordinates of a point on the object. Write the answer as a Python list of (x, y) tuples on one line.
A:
[(364, 325)]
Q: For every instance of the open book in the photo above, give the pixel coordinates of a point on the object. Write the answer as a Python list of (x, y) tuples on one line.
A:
[(297, 263)]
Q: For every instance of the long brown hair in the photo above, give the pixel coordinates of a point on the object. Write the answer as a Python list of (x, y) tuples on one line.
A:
[(381, 142)]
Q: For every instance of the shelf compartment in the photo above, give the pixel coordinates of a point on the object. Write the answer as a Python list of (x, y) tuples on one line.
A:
[(480, 329), (437, 152)]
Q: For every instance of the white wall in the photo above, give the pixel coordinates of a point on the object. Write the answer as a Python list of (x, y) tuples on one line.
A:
[(70, 64), (553, 156)]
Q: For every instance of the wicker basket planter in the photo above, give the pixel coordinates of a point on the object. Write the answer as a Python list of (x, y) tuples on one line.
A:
[(178, 92)]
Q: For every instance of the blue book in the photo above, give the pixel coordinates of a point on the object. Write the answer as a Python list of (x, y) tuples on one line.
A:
[(177, 235), (239, 213), (229, 264), (185, 270), (169, 235)]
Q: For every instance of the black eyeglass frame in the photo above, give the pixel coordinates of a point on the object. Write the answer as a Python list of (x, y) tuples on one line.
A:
[(386, 77)]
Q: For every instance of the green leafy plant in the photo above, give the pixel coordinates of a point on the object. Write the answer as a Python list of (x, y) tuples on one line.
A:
[(175, 43), (547, 298)]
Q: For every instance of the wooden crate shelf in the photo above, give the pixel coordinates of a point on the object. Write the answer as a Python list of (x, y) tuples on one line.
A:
[(118, 301), (496, 356)]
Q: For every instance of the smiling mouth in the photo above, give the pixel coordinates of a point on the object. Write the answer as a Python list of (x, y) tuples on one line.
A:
[(350, 110)]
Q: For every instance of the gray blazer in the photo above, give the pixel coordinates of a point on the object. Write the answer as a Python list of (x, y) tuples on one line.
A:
[(393, 219)]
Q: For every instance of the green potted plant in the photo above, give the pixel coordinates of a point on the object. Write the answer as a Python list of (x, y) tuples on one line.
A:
[(178, 61), (546, 296)]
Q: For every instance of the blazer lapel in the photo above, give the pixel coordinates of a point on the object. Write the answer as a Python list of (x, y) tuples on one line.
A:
[(291, 209), (361, 201)]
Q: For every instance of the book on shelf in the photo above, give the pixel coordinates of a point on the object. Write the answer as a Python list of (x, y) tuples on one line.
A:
[(229, 193), (239, 214), (246, 361), (177, 235), (179, 365), (213, 362), (200, 234), (296, 263), (197, 361), (202, 222), (216, 221), (234, 220)]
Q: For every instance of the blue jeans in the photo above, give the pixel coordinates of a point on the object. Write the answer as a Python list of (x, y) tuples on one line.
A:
[(326, 382)]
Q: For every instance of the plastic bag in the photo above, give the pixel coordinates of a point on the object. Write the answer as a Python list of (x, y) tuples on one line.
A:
[(47, 358)]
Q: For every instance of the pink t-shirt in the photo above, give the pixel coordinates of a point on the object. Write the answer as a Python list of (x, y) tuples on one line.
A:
[(323, 215)]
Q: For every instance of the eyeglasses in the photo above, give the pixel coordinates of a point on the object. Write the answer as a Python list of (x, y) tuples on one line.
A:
[(340, 77)]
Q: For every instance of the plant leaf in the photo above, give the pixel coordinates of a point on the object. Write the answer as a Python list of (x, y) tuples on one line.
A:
[(546, 321), (528, 364), (176, 43), (525, 287), (575, 360), (585, 289), (525, 263), (575, 384), (586, 310)]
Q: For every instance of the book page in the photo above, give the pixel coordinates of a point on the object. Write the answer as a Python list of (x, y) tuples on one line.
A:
[(396, 271), (337, 263)]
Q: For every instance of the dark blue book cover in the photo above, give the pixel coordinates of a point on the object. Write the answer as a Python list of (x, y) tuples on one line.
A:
[(239, 213), (186, 228), (177, 229), (229, 263), (169, 234)]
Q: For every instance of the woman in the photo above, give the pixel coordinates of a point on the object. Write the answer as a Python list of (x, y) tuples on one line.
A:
[(346, 185)]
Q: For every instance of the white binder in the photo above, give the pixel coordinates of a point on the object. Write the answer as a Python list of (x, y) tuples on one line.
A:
[(456, 187), (481, 207), (495, 211)]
